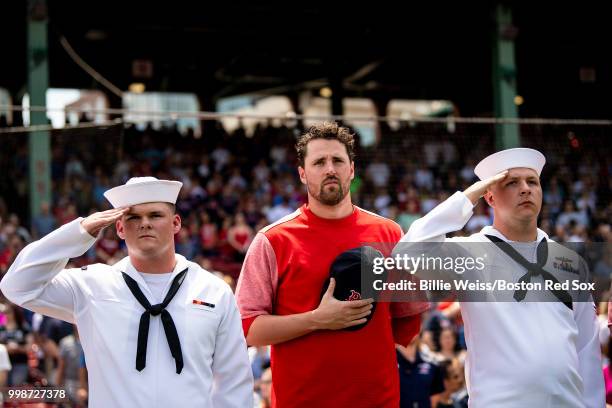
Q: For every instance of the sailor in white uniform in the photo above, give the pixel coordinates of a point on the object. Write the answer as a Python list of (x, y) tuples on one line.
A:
[(157, 330), (521, 353)]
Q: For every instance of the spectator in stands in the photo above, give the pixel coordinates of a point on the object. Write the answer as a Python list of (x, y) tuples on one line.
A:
[(265, 389), (222, 157), (382, 201), (378, 172), (260, 359), (571, 213), (5, 362), (187, 243), (70, 352), (10, 246), (67, 214), (577, 233), (420, 376), (278, 154), (411, 214), (204, 169), (424, 178), (467, 171), (603, 267), (428, 201), (236, 181), (480, 219), (434, 322), (44, 222), (587, 202), (107, 246), (16, 336), (100, 183), (251, 212), (74, 167), (48, 335), (454, 394), (261, 172), (279, 210), (209, 236), (561, 234), (83, 393), (553, 197), (447, 347), (239, 236), (20, 230), (5, 366)]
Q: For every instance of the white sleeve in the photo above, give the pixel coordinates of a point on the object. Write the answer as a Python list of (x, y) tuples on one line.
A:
[(449, 216), (233, 378), (428, 233), (37, 279)]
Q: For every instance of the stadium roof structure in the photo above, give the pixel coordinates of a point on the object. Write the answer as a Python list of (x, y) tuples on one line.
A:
[(382, 50)]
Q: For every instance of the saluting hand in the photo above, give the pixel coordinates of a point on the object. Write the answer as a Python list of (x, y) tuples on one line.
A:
[(100, 220), (477, 190), (334, 314)]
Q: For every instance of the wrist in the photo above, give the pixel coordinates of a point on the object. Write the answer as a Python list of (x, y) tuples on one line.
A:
[(312, 321), (86, 231), (472, 196)]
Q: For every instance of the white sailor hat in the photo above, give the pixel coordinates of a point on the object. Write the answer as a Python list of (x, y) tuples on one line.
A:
[(140, 190), (510, 159)]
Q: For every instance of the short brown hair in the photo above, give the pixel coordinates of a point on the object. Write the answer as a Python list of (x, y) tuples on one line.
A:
[(172, 207), (328, 131)]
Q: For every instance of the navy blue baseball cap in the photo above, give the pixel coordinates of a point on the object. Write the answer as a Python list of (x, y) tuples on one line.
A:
[(347, 269)]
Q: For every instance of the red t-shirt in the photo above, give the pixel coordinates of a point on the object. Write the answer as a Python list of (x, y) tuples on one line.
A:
[(283, 273)]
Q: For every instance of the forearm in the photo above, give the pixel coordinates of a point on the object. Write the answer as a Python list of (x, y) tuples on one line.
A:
[(272, 329), (39, 262), (449, 216), (427, 234)]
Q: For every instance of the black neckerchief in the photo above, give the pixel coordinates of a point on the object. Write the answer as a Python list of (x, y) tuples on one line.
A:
[(533, 269), (169, 328)]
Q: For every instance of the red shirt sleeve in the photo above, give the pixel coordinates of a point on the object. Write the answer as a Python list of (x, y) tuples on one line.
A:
[(257, 282), (246, 324), (405, 328)]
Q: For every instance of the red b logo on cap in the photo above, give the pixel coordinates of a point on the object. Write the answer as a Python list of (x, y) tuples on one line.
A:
[(354, 296)]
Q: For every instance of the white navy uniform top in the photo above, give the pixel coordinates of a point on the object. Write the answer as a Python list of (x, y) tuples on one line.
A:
[(520, 354), (216, 369)]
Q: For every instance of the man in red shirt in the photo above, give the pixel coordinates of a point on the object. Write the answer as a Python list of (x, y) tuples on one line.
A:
[(314, 361)]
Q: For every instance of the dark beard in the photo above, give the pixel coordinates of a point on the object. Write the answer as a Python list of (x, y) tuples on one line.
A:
[(331, 197)]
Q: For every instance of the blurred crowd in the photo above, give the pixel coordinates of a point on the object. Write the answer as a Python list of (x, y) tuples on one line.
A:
[(235, 184)]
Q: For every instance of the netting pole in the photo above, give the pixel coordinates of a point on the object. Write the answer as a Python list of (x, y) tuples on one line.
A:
[(39, 142), (504, 78)]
